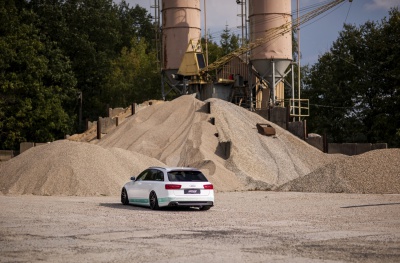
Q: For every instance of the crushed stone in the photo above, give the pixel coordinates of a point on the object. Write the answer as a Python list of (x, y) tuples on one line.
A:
[(231, 153), (71, 169), (374, 172)]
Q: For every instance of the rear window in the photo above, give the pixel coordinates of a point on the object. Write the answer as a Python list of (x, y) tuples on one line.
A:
[(186, 176)]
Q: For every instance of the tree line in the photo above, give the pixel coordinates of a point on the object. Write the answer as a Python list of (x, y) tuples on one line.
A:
[(354, 89), (62, 61), (56, 53)]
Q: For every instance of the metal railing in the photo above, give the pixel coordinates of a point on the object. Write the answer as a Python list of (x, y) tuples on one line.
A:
[(299, 107)]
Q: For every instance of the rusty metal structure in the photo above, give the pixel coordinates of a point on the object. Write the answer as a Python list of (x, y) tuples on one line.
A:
[(267, 55), (267, 75)]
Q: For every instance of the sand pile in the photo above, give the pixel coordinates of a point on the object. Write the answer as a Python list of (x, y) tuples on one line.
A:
[(179, 133), (71, 168), (374, 172), (264, 162)]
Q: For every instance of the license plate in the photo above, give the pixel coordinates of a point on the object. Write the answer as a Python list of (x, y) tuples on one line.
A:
[(192, 191)]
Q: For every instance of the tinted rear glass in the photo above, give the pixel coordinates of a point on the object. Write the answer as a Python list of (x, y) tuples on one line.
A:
[(186, 176)]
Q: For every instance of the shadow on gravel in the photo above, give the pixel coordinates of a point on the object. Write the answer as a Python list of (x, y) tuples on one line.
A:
[(133, 207), (357, 206), (121, 206)]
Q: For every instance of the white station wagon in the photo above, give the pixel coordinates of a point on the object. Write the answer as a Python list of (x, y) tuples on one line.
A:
[(166, 187)]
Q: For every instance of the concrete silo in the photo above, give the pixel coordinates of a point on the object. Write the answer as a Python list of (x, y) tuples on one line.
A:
[(180, 24), (272, 58)]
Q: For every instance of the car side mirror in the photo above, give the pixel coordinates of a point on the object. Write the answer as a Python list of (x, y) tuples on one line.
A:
[(133, 178)]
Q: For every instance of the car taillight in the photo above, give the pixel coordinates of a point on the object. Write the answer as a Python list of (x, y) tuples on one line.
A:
[(173, 186), (208, 186)]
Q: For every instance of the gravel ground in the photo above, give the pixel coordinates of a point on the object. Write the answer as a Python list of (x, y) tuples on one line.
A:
[(242, 227)]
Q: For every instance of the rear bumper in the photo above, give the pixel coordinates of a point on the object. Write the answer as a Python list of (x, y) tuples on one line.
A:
[(191, 203)]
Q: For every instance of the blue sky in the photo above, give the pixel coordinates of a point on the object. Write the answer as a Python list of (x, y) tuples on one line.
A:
[(316, 36)]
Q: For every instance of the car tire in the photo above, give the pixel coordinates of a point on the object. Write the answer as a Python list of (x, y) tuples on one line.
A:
[(153, 201), (205, 207), (124, 197)]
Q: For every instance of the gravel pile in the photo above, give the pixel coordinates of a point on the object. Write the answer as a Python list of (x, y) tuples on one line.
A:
[(179, 133), (264, 162), (374, 172), (232, 154), (71, 168)]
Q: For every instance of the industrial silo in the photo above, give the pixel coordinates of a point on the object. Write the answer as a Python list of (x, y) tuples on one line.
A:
[(272, 58), (181, 23)]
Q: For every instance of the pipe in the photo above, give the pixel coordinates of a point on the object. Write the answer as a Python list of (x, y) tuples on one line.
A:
[(273, 83), (299, 64), (205, 31), (292, 88)]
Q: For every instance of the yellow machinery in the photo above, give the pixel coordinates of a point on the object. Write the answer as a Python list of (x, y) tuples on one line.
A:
[(192, 62)]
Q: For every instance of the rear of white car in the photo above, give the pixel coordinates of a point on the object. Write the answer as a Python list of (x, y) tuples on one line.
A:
[(185, 187)]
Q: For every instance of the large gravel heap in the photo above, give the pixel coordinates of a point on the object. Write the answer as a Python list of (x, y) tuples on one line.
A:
[(374, 172), (71, 168), (180, 133)]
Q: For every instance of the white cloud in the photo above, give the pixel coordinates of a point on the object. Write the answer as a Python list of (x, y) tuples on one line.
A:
[(382, 4)]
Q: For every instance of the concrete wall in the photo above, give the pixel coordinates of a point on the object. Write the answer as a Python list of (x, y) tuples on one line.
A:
[(345, 148), (24, 146), (317, 142), (297, 128), (377, 146), (278, 115), (107, 124), (354, 148), (6, 155), (222, 91), (114, 112), (90, 124)]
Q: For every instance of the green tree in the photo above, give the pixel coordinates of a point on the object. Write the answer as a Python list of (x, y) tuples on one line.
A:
[(91, 43), (50, 49), (135, 22), (36, 82), (229, 42), (133, 77), (92, 33), (214, 50), (354, 88)]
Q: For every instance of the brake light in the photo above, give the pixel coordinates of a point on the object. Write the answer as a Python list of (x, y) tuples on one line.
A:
[(208, 186), (173, 186)]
